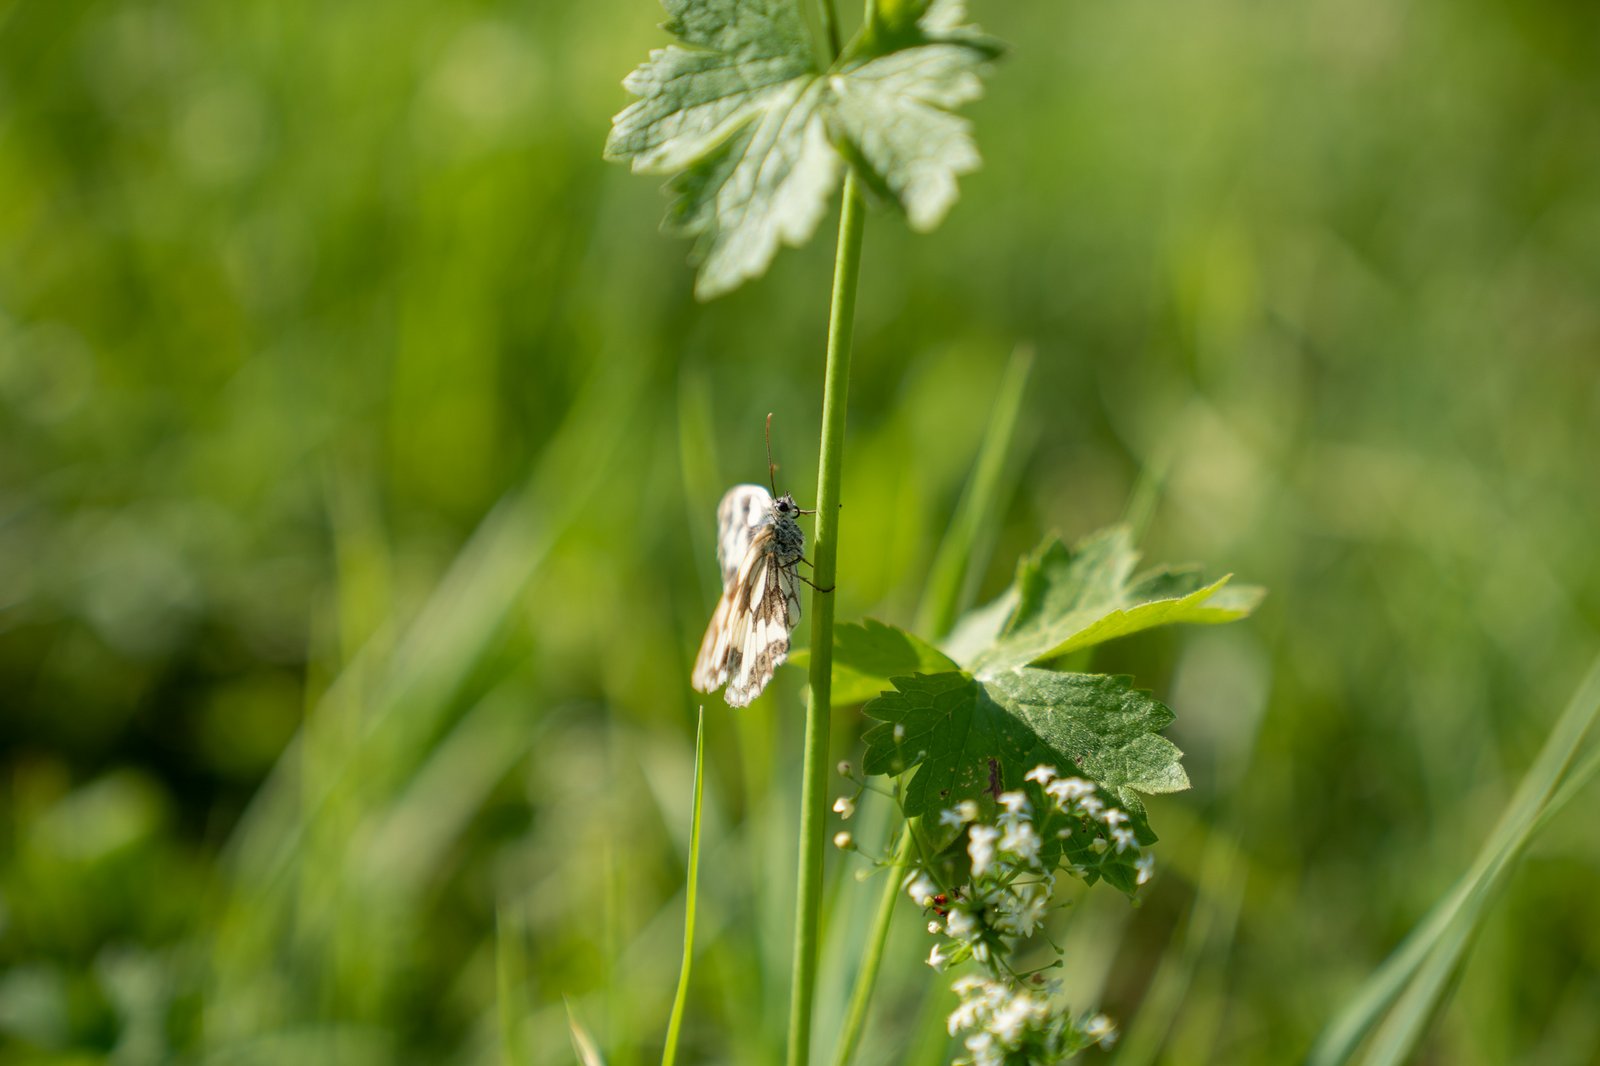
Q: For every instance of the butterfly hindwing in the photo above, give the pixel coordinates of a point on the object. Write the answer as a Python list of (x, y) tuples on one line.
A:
[(761, 642)]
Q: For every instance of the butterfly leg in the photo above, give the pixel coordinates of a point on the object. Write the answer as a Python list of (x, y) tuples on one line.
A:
[(807, 580), (813, 584)]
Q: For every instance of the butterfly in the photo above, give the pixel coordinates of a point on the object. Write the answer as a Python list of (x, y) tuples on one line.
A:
[(759, 547)]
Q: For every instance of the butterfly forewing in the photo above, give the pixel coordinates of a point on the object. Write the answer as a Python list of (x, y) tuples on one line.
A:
[(748, 638), (744, 509)]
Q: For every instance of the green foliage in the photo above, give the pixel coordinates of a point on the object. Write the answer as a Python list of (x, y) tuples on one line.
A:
[(974, 739), (976, 731), (1070, 600), (866, 653), (294, 295), (1407, 989), (753, 128)]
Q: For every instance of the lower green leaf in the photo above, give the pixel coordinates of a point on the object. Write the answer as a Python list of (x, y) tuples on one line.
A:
[(972, 739), (867, 654)]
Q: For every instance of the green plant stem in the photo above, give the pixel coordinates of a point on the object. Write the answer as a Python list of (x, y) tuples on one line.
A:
[(830, 27), (670, 1053), (814, 788), (855, 1017)]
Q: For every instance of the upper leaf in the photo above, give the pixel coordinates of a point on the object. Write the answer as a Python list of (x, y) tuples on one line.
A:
[(753, 129), (1067, 600), (891, 115)]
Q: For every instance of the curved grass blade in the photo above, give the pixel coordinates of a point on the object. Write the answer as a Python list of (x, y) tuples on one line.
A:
[(952, 579), (1405, 990), (583, 1043), (669, 1054)]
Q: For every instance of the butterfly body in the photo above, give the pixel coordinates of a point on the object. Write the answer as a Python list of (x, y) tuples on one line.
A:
[(759, 547)]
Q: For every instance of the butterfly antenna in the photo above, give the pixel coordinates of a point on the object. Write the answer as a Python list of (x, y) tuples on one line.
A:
[(772, 471)]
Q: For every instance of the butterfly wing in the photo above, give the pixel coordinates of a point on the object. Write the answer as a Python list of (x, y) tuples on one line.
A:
[(760, 642), (748, 638), (743, 510)]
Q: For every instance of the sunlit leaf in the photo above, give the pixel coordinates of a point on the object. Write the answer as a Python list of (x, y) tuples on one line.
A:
[(973, 738), (752, 127), (1068, 600)]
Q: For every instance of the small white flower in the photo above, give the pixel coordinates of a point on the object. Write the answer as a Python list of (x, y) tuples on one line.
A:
[(844, 841), (1113, 817), (1042, 774), (935, 928), (1010, 1020), (899, 732), (959, 815), (922, 889), (1023, 910), (961, 923), (970, 1012), (984, 1051), (1022, 841), (980, 951), (1124, 838), (1067, 789), (937, 958), (980, 847), (1091, 806), (1146, 865), (1017, 808), (965, 986), (844, 806), (844, 769), (1100, 1029)]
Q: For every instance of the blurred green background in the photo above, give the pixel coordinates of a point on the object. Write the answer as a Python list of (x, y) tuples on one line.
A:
[(360, 443)]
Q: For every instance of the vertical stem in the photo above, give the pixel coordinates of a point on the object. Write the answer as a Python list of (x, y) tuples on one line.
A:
[(814, 789), (830, 28), (861, 996)]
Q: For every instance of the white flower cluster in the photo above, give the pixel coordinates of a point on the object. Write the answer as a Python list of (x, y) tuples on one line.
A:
[(1007, 1017), (1006, 1023)]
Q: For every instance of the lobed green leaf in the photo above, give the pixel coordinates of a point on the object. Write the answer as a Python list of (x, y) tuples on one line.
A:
[(970, 739), (754, 131), (1070, 600)]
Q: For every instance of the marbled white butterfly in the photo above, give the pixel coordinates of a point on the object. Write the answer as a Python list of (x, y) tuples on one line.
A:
[(759, 546)]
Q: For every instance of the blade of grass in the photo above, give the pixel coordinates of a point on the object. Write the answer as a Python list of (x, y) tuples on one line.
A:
[(952, 577), (406, 688), (583, 1044), (1447, 927), (867, 977), (669, 1054), (511, 975)]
